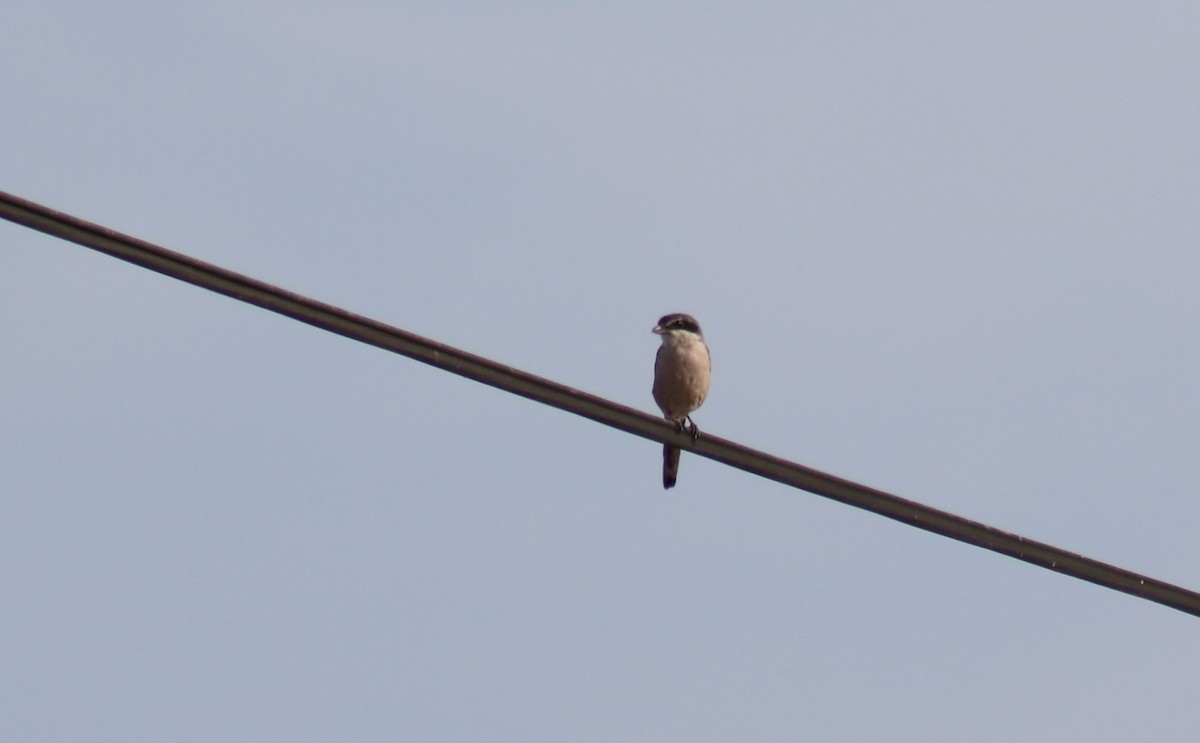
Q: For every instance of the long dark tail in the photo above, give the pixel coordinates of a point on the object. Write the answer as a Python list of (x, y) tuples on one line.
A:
[(670, 466)]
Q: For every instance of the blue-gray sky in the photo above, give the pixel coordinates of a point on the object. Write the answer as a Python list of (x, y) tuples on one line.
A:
[(947, 250)]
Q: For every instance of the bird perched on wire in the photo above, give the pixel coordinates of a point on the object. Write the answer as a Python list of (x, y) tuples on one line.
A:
[(681, 374)]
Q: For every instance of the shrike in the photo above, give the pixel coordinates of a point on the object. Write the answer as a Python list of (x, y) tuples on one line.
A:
[(681, 373)]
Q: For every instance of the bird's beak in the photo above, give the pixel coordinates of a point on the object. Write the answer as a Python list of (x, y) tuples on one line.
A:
[(658, 329)]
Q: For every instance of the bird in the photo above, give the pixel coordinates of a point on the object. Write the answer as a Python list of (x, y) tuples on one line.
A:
[(682, 370)]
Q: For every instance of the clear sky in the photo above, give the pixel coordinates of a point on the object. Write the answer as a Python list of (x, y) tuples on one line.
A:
[(950, 250)]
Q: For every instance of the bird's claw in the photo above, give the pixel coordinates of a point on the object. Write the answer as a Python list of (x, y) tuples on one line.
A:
[(688, 426)]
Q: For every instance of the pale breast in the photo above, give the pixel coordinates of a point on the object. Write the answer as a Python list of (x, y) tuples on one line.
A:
[(681, 377)]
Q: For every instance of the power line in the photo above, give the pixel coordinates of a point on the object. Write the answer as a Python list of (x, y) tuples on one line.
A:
[(375, 333)]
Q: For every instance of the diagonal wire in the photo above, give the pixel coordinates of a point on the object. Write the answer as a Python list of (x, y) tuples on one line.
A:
[(387, 337)]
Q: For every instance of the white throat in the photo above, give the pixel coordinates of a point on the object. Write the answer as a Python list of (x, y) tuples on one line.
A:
[(680, 340)]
